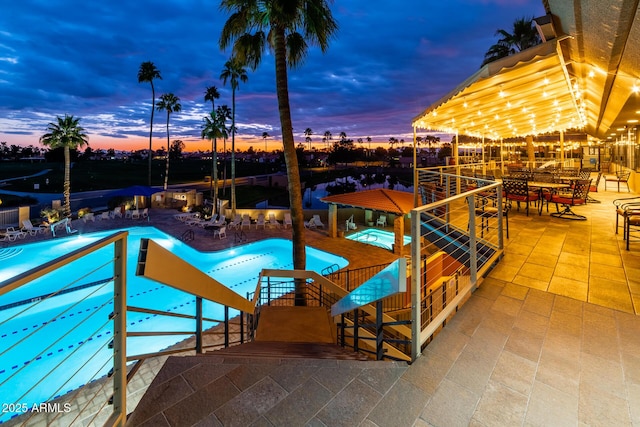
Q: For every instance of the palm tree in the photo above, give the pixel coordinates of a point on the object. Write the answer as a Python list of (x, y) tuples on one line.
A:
[(286, 28), (212, 130), (327, 137), (523, 37), (65, 134), (265, 135), (307, 133), (147, 73), (212, 94), (235, 73), (171, 104), (343, 136), (223, 113)]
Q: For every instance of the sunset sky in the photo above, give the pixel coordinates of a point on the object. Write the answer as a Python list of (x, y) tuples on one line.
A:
[(388, 62)]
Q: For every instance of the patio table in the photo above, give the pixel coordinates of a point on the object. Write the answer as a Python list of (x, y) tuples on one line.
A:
[(541, 185)]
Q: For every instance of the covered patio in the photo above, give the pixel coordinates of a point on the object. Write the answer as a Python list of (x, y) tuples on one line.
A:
[(395, 204)]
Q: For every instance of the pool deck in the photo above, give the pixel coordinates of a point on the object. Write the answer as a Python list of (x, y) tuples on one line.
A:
[(551, 337)]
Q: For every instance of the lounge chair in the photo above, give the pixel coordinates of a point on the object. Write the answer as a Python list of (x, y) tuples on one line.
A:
[(260, 222), (28, 227), (135, 214), (273, 222), (235, 222), (88, 217), (116, 212), (350, 224), (104, 215), (246, 221), (287, 220), (316, 219), (221, 232), (145, 213), (12, 234), (66, 223), (382, 221)]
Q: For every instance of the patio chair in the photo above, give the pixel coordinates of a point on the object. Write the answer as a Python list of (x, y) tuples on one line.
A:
[(145, 213), (577, 196), (273, 222), (260, 222), (318, 221), (487, 207), (135, 214), (287, 220), (310, 224), (517, 190), (594, 189), (382, 221), (222, 220), (221, 232), (235, 222), (12, 234), (104, 215), (28, 227), (116, 212), (88, 217), (625, 207), (246, 221), (620, 177), (632, 221)]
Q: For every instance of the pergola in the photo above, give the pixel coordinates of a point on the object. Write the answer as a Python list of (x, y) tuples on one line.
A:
[(397, 203), (584, 75)]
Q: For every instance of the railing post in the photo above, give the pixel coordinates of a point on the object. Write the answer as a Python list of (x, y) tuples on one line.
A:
[(342, 327), (473, 248), (226, 326), (416, 284), (500, 217), (242, 314), (356, 326), (379, 331), (268, 290), (199, 325), (120, 332)]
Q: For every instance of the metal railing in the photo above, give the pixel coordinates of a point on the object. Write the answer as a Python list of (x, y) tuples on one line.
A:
[(9, 216), (451, 221), (65, 344)]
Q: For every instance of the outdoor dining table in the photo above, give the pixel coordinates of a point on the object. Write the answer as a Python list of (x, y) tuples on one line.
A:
[(541, 185)]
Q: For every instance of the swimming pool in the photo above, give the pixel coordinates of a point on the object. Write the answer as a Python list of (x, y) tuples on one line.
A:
[(376, 237), (55, 343)]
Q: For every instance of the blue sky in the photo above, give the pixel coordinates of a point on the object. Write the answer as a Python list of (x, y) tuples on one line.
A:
[(388, 62)]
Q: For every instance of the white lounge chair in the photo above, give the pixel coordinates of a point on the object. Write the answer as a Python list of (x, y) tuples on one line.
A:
[(135, 214), (104, 215), (260, 222), (88, 217), (28, 227), (316, 219), (235, 223), (116, 212), (246, 221), (222, 220), (273, 222), (287, 220), (12, 234), (145, 213), (382, 221), (310, 224), (221, 232)]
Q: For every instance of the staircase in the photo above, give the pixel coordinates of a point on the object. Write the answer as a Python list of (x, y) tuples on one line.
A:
[(226, 383)]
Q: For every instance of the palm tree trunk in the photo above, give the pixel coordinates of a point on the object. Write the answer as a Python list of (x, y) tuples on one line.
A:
[(233, 153), (66, 191), (153, 107), (291, 160), (224, 170), (166, 169), (214, 175)]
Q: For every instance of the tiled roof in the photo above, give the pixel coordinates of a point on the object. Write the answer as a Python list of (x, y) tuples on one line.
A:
[(391, 201)]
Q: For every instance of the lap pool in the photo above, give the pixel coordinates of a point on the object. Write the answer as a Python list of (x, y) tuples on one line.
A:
[(57, 335), (376, 237)]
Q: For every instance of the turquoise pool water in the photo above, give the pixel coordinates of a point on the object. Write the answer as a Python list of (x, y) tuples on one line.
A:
[(53, 335), (376, 237)]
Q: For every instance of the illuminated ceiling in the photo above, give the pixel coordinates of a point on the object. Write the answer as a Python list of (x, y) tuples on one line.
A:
[(585, 75)]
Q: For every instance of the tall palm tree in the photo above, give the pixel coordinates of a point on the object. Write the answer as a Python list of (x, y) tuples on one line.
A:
[(524, 35), (327, 138), (265, 135), (147, 73), (212, 94), (65, 134), (343, 136), (307, 133), (171, 104), (287, 28), (235, 73), (212, 130), (223, 113)]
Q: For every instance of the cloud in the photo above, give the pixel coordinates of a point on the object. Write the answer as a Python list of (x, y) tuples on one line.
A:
[(386, 64)]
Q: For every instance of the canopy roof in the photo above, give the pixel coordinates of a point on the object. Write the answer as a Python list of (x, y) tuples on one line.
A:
[(390, 201), (584, 75)]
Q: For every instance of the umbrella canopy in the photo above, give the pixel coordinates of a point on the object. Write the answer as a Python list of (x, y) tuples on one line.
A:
[(135, 190)]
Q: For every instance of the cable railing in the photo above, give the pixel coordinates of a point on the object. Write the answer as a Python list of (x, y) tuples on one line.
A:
[(70, 346)]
